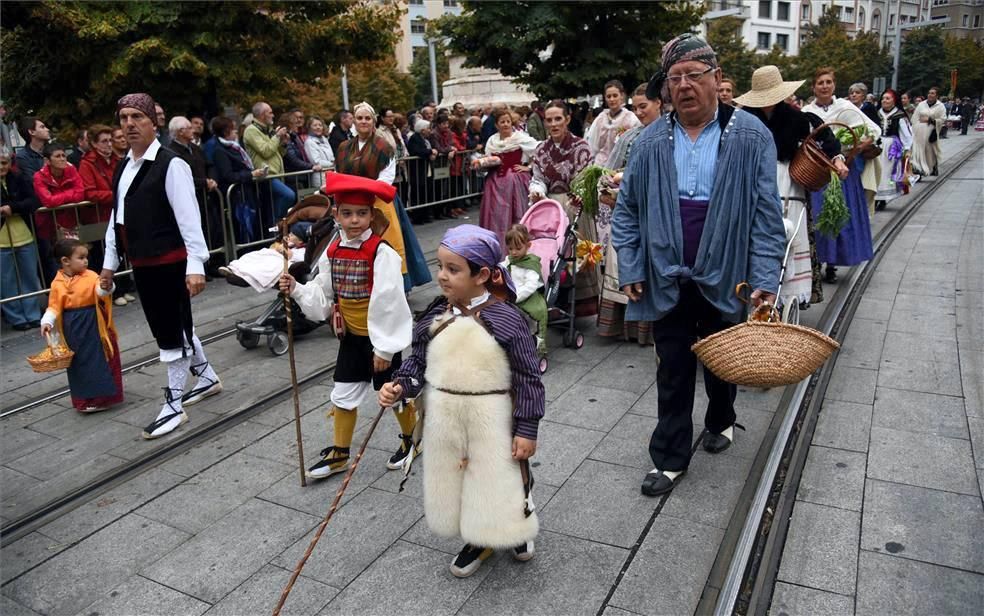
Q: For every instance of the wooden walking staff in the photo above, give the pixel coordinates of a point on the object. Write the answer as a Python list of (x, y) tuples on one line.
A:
[(331, 512), (290, 353)]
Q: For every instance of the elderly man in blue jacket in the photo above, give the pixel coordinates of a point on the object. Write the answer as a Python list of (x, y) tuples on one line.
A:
[(698, 212)]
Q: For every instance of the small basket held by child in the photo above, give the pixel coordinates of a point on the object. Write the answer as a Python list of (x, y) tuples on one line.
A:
[(55, 356)]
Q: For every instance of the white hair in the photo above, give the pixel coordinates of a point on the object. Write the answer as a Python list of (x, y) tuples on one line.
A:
[(420, 125), (177, 123), (258, 108)]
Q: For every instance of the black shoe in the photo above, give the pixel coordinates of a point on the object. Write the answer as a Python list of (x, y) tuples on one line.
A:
[(716, 443), (936, 171), (657, 484), (830, 275), (35, 324), (333, 460), (880, 205), (397, 459), (524, 552), (22, 327), (468, 560)]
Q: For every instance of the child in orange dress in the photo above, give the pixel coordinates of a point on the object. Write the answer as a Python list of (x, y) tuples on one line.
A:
[(84, 312)]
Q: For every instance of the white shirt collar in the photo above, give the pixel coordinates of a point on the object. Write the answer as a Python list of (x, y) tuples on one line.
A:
[(356, 241), (477, 301), (150, 154)]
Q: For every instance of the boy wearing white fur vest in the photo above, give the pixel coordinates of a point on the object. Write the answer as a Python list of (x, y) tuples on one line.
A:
[(474, 357)]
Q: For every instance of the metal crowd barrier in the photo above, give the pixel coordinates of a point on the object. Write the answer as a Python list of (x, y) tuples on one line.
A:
[(241, 218)]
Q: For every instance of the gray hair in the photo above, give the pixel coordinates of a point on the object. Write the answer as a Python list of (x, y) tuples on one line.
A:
[(177, 123), (858, 87), (420, 125), (258, 108)]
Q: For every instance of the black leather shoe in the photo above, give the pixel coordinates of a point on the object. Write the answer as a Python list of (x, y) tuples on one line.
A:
[(716, 443), (657, 484)]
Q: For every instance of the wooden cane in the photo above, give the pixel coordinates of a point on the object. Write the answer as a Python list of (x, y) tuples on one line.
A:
[(290, 352), (331, 512)]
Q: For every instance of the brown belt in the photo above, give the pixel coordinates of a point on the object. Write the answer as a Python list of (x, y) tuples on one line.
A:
[(495, 392)]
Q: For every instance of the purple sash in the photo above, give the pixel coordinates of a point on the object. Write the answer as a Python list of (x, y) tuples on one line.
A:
[(692, 216)]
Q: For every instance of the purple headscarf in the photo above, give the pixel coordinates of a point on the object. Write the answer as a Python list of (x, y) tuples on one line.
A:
[(481, 247), (683, 48)]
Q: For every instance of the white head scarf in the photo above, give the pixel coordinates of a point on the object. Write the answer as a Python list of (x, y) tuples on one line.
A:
[(367, 107)]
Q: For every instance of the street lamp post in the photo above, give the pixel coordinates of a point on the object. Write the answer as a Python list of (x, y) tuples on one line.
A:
[(433, 70)]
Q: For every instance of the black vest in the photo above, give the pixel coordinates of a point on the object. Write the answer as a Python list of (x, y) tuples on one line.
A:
[(151, 228)]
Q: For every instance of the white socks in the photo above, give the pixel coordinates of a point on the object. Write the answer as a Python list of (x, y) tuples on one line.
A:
[(729, 433), (671, 475), (198, 359), (177, 376)]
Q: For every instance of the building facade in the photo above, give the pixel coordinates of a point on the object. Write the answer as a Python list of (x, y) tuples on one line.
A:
[(966, 17), (413, 24)]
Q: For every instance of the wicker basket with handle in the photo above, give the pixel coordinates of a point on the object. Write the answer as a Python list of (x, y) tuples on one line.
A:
[(764, 352), (53, 357), (810, 167)]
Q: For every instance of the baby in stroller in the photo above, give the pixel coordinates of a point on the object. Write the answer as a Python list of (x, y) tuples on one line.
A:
[(525, 269), (272, 322), (262, 268)]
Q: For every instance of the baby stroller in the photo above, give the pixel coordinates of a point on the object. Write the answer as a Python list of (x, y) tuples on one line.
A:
[(272, 322), (790, 303), (553, 238)]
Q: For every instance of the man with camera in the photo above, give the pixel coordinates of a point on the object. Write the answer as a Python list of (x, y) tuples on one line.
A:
[(266, 145)]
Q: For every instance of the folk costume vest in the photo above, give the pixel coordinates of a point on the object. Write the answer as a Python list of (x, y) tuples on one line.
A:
[(351, 280), (151, 235)]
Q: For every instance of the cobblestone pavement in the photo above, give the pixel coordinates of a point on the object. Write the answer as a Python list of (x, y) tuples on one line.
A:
[(888, 518), (217, 529)]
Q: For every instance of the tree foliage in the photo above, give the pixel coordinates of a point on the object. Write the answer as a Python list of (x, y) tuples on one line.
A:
[(70, 61), (420, 71), (861, 58), (379, 82), (589, 42), (928, 55), (736, 59)]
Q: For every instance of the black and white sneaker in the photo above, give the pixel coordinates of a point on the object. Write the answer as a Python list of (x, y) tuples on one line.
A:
[(397, 459), (205, 387), (468, 560), (333, 460), (523, 552)]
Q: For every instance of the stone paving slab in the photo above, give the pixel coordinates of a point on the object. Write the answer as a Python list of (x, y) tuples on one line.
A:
[(821, 548), (925, 525), (862, 347), (833, 477), (9, 607), (138, 595), (668, 572), (793, 600), (590, 406), (920, 412), (28, 552), (889, 585), (223, 556), (843, 425), (709, 491), (259, 595), (69, 581), (915, 459)]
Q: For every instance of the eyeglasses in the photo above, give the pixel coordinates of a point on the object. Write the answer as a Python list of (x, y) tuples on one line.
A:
[(694, 77)]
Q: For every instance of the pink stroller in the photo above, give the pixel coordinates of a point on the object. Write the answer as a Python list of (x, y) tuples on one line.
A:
[(553, 239)]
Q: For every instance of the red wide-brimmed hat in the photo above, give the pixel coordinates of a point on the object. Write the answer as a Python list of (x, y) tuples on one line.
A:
[(355, 190)]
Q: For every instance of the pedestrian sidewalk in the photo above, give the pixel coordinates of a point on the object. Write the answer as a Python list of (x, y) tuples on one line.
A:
[(888, 517)]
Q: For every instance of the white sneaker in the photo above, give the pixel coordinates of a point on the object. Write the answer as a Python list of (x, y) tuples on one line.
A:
[(524, 552), (120, 301), (129, 297)]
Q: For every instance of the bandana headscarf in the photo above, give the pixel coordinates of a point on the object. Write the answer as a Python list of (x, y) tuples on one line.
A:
[(141, 102), (481, 247), (366, 106), (684, 48)]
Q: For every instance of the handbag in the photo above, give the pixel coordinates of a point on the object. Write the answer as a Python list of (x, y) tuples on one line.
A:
[(933, 136)]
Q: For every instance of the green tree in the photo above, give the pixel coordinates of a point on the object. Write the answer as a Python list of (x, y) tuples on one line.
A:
[(70, 61), (562, 49), (923, 62), (736, 59), (420, 71), (853, 59), (379, 82), (967, 56)]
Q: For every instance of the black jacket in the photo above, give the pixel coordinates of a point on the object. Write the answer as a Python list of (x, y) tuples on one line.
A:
[(230, 168), (195, 157), (789, 127), (18, 193)]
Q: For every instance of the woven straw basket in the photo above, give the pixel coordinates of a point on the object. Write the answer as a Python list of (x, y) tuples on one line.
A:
[(52, 358), (764, 354), (810, 166)]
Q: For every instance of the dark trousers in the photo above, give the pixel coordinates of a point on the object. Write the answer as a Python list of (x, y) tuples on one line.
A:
[(676, 380)]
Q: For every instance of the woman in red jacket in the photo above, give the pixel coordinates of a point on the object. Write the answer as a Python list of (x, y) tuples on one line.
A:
[(57, 183), (97, 168)]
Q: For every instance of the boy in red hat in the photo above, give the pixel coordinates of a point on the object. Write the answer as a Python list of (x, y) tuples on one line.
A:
[(359, 287)]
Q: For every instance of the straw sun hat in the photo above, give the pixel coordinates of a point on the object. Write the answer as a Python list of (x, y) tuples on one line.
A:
[(768, 88)]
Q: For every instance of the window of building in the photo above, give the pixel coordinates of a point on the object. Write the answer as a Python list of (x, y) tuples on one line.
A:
[(417, 2), (965, 21), (876, 21), (782, 40), (418, 26), (805, 12), (765, 9), (977, 21), (764, 40), (848, 14), (891, 21), (782, 11), (861, 19), (450, 3)]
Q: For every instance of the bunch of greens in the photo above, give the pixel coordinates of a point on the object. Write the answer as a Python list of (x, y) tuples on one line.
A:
[(844, 135), (834, 213), (585, 187)]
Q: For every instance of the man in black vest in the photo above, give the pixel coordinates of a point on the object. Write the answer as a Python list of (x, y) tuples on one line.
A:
[(156, 223)]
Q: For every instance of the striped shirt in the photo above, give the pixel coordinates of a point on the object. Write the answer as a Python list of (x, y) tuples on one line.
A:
[(695, 162), (513, 334)]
